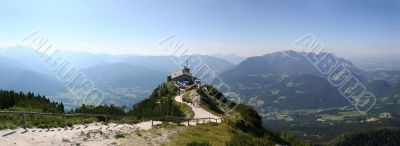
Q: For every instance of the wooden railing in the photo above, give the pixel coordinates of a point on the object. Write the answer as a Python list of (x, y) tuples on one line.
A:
[(187, 120), (177, 120)]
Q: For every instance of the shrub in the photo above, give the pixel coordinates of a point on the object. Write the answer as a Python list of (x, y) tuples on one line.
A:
[(119, 135)]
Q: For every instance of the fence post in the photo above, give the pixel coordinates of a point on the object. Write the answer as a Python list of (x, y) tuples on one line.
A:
[(54, 119), (81, 118), (152, 122), (106, 119), (24, 120), (188, 122), (63, 120), (197, 120), (209, 119)]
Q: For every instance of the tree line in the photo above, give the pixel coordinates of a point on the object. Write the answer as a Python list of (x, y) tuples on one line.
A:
[(101, 109), (11, 100), (383, 136)]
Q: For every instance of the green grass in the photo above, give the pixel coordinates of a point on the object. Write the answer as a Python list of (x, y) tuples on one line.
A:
[(8, 125), (332, 117), (342, 115), (126, 120), (119, 135), (352, 113), (186, 96), (195, 143), (218, 135), (39, 121), (185, 109), (208, 104), (208, 109), (214, 134)]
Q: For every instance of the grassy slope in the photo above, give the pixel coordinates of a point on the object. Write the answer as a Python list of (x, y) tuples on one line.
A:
[(224, 134), (243, 127), (187, 110), (13, 121), (161, 104), (214, 134)]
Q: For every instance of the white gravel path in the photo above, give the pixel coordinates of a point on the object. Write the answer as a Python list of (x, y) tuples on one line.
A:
[(89, 134)]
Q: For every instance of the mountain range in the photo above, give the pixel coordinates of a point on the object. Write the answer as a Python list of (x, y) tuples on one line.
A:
[(283, 80), (134, 75), (287, 80)]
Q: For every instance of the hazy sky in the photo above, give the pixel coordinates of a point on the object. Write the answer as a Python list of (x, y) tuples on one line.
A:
[(245, 27)]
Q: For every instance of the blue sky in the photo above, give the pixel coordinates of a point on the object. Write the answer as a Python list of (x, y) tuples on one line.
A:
[(244, 27)]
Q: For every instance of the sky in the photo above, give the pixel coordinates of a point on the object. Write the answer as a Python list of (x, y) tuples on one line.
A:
[(245, 27)]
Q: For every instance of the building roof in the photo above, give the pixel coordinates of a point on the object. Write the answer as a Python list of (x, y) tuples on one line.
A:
[(184, 71)]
